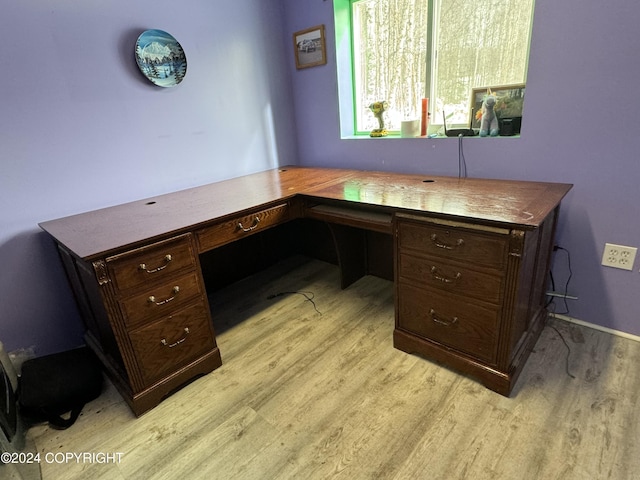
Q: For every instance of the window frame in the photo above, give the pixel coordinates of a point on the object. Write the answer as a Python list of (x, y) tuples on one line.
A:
[(345, 55)]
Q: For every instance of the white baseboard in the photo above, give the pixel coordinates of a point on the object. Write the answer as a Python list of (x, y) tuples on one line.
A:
[(617, 333)]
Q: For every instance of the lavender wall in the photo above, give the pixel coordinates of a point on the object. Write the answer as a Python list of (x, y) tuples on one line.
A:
[(580, 126), (81, 128)]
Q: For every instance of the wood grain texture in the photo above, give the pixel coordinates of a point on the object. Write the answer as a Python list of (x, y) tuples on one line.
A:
[(241, 227), (311, 395), (91, 234), (494, 201)]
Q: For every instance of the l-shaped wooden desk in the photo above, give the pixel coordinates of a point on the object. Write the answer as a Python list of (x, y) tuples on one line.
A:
[(471, 259)]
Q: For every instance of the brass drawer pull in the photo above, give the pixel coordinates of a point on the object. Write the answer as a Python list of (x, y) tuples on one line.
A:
[(439, 244), (442, 278), (167, 259), (175, 291), (171, 345), (256, 221), (436, 319)]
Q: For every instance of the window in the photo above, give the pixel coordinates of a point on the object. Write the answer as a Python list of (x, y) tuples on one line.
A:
[(404, 50)]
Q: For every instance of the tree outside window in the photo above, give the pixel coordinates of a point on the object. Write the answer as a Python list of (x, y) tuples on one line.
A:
[(404, 50)]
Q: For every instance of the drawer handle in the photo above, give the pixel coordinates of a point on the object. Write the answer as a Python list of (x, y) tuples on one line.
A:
[(256, 221), (439, 244), (175, 291), (442, 278), (436, 319), (171, 345), (167, 259)]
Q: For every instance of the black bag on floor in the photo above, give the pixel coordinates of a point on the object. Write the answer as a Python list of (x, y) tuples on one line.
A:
[(54, 385)]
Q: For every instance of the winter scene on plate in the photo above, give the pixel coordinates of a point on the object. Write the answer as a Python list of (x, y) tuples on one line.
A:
[(161, 58)]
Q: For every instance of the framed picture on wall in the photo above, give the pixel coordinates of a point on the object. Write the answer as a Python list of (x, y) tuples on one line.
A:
[(509, 102), (309, 47)]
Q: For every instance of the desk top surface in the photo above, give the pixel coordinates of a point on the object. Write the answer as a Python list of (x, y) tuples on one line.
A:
[(514, 203)]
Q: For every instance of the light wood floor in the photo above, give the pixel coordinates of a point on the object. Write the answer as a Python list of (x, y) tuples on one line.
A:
[(308, 395)]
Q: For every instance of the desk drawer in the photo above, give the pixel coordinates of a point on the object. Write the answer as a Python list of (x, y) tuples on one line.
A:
[(164, 346), (435, 272), (454, 243), (242, 226), (151, 263), (449, 320), (161, 300)]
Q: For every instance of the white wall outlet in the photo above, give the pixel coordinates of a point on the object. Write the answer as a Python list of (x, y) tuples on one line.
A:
[(619, 256)]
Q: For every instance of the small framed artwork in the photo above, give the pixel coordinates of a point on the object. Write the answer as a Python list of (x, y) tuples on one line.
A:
[(309, 47), (509, 104)]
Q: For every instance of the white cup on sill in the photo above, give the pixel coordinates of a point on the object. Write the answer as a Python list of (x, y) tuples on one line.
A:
[(410, 128)]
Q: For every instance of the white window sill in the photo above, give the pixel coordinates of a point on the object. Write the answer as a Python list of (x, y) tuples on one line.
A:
[(430, 137)]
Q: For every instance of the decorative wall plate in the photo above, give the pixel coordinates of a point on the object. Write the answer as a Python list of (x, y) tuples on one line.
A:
[(161, 58)]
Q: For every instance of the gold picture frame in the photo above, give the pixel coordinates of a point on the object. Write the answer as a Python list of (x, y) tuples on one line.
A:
[(510, 101), (309, 47)]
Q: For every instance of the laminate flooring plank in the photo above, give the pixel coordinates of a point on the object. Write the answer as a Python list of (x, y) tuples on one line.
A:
[(226, 451), (361, 437), (554, 426), (303, 394), (323, 399), (300, 348)]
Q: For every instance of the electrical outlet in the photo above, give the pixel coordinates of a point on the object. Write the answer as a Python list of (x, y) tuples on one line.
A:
[(619, 256)]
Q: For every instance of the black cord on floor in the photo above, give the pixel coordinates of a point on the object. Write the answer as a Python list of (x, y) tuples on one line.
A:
[(568, 351), (551, 303), (553, 289), (462, 162), (566, 285), (309, 296)]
